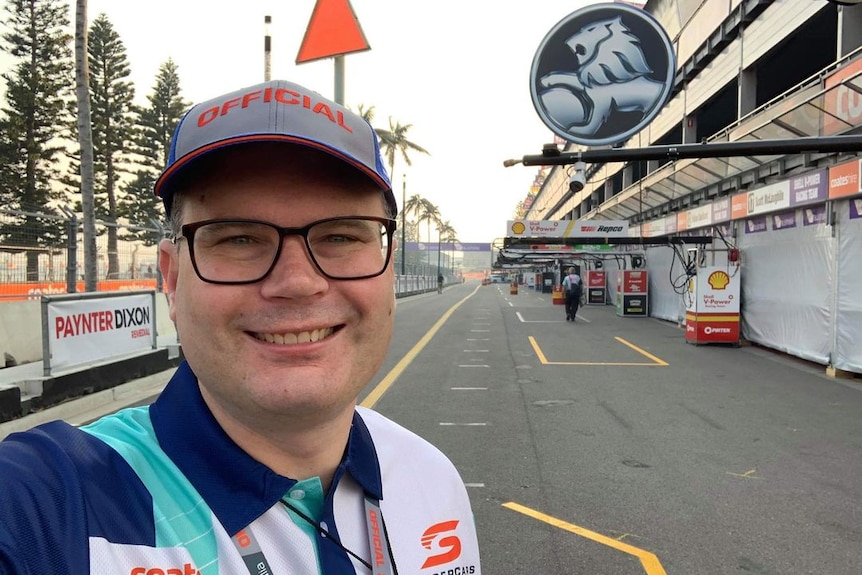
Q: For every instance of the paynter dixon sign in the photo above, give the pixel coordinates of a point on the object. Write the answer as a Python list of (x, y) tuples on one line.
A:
[(602, 74), (566, 229)]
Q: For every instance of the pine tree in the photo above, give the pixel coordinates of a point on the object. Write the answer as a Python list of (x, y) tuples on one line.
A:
[(113, 124), (33, 120), (156, 124)]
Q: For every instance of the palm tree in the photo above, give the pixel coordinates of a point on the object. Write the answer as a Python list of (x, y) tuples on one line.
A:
[(415, 205), (394, 141), (431, 215), (447, 234), (366, 114)]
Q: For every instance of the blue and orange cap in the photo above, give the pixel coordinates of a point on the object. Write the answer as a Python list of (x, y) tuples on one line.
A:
[(276, 111)]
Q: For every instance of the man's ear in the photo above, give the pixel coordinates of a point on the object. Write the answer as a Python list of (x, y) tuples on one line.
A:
[(169, 267)]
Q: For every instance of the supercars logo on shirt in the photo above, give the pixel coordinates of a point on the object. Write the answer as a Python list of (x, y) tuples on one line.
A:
[(440, 538)]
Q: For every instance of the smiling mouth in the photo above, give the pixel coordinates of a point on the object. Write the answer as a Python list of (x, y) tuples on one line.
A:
[(295, 338)]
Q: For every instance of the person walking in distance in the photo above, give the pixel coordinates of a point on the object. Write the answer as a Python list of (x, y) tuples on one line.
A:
[(572, 289), (255, 458)]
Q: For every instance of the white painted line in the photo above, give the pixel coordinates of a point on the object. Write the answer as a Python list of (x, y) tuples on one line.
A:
[(451, 424), (473, 365), (476, 351), (478, 339), (520, 317), (511, 304), (479, 330), (579, 319), (469, 388), (478, 323), (474, 485)]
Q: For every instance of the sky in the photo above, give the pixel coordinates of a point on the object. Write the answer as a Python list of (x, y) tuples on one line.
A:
[(457, 70)]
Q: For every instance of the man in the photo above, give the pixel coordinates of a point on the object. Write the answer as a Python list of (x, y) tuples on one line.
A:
[(572, 289), (255, 458)]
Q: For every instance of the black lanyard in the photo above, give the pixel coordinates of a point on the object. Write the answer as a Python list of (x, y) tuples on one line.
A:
[(382, 562)]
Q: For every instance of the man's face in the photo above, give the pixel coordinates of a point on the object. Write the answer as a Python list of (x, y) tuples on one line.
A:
[(224, 328)]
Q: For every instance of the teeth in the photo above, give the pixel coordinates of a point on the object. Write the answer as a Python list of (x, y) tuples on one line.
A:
[(292, 338)]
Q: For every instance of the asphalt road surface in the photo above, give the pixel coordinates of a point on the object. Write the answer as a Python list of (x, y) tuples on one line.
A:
[(610, 446)]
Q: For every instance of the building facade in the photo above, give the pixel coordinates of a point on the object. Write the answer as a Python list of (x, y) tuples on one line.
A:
[(749, 70)]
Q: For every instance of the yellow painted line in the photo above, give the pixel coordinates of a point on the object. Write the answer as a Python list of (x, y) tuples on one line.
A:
[(372, 398), (538, 351), (650, 562), (640, 351), (656, 361)]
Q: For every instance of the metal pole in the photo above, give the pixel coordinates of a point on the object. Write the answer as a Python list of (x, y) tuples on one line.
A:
[(339, 80), (267, 48), (403, 222), (551, 155), (71, 251)]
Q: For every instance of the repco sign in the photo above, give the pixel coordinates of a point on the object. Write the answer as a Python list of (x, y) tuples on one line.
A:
[(609, 228)]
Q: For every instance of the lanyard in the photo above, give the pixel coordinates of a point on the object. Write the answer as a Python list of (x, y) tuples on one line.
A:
[(378, 539), (382, 561)]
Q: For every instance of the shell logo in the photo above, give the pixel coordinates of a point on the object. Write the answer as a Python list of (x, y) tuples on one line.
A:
[(718, 280), (519, 228)]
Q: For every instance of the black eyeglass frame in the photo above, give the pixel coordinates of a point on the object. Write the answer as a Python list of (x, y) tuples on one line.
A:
[(187, 232)]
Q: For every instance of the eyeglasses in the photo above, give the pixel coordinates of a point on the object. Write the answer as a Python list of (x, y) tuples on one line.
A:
[(246, 251)]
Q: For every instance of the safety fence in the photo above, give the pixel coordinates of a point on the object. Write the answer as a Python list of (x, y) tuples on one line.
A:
[(42, 254)]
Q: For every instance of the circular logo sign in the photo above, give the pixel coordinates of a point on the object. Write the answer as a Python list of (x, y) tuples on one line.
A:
[(602, 74)]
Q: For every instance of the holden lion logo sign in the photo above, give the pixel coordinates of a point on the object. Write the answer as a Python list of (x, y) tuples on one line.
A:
[(602, 74)]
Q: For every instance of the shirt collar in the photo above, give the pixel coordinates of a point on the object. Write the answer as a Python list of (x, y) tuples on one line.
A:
[(235, 486)]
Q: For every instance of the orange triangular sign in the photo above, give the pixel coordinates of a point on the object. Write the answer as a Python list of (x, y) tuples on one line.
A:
[(332, 31)]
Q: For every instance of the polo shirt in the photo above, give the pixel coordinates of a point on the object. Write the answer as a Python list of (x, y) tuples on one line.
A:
[(162, 490)]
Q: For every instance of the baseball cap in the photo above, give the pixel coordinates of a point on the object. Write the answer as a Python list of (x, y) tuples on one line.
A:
[(276, 111)]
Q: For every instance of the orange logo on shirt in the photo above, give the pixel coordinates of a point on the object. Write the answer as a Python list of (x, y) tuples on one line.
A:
[(449, 543), (187, 569)]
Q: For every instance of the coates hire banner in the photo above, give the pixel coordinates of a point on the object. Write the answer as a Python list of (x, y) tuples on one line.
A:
[(567, 229), (83, 329)]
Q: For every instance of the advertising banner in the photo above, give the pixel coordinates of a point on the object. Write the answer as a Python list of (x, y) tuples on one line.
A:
[(769, 198), (721, 210), (844, 180), (739, 206), (632, 293), (447, 247), (755, 225), (814, 215), (84, 328), (855, 209), (784, 220), (567, 228), (712, 308), (810, 188), (596, 281)]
